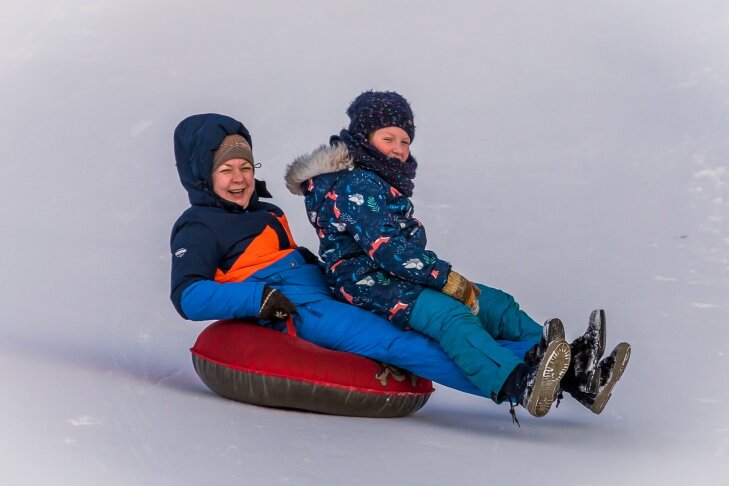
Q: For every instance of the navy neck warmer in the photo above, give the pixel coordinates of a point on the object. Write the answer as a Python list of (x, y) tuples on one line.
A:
[(394, 171)]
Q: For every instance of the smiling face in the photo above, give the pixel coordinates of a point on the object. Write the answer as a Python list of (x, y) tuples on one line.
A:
[(233, 181), (391, 141)]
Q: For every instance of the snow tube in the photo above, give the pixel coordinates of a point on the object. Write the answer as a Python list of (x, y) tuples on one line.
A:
[(253, 364)]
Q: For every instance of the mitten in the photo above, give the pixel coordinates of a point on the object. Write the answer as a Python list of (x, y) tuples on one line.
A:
[(275, 305), (463, 290)]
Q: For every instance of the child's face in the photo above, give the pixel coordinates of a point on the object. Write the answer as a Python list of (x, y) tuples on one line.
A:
[(233, 181), (391, 141)]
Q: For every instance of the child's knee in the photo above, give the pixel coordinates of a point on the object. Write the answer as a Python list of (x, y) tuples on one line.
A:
[(495, 299), (435, 312)]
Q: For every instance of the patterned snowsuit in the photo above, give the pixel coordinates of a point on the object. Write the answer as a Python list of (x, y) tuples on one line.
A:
[(375, 255)]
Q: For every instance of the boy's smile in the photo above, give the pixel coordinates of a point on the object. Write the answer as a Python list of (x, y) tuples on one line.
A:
[(391, 141)]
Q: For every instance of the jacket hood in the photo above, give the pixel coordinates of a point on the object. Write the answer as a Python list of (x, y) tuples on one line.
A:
[(323, 160), (196, 138)]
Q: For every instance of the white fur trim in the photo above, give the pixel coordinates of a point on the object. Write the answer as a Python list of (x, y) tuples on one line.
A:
[(323, 160)]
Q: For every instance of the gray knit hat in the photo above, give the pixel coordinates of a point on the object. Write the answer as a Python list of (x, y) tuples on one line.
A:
[(232, 147)]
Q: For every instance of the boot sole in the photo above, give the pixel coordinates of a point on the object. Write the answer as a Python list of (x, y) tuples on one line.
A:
[(551, 371), (622, 356)]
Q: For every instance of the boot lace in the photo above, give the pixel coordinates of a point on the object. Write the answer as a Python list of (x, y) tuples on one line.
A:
[(512, 411)]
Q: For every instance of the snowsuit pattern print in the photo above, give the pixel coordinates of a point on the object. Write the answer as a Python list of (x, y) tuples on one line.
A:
[(373, 248)]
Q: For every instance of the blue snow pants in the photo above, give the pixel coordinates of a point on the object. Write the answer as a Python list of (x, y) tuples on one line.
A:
[(344, 327), (486, 347), (331, 324)]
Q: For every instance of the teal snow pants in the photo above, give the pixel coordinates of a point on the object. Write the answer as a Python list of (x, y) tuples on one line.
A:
[(486, 347)]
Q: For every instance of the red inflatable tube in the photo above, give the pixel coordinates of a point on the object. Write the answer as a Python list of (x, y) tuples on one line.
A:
[(254, 364)]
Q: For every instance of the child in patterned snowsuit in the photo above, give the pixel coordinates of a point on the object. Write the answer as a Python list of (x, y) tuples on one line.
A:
[(357, 193)]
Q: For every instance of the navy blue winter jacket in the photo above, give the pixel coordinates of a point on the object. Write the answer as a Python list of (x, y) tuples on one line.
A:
[(373, 249), (217, 245)]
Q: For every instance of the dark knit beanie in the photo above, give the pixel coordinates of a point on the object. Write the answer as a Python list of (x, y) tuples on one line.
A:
[(232, 147), (373, 110)]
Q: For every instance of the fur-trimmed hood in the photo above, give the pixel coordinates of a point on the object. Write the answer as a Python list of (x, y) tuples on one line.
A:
[(323, 160)]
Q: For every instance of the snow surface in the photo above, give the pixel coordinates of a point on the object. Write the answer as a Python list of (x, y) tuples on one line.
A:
[(572, 153)]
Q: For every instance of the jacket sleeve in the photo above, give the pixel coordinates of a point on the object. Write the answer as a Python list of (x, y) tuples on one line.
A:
[(207, 300), (362, 207), (195, 294)]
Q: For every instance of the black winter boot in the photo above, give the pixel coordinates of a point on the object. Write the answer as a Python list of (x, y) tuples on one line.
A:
[(543, 380), (535, 387), (611, 369), (583, 375), (552, 330)]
